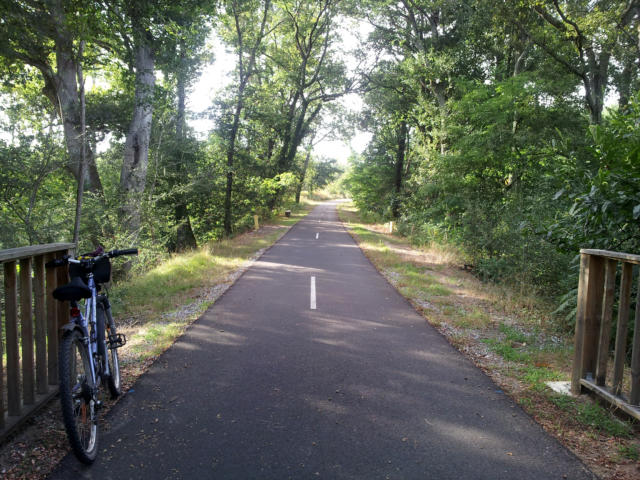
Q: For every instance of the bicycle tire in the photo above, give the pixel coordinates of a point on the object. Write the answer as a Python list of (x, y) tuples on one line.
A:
[(113, 379), (78, 407)]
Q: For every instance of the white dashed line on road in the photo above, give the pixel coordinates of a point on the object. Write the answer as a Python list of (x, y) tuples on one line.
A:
[(313, 293), (317, 235)]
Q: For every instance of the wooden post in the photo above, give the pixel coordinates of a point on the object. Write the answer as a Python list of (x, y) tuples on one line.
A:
[(256, 225), (52, 325), (634, 397), (26, 328), (41, 325), (63, 307), (592, 315), (579, 335), (622, 327), (605, 322), (24, 373), (1, 374), (11, 322)]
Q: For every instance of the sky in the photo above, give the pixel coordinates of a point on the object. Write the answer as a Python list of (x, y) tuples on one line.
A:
[(216, 76)]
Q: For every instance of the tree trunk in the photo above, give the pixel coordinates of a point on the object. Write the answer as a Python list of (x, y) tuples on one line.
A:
[(440, 92), (295, 139), (230, 157), (62, 89), (302, 124), (133, 175), (400, 153), (81, 174), (271, 144), (286, 139), (595, 83), (185, 239), (516, 71), (624, 86), (303, 174)]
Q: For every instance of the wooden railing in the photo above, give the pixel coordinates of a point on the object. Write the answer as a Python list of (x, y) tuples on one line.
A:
[(596, 302), (29, 331)]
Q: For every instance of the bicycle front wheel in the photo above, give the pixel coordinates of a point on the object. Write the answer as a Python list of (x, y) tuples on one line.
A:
[(78, 406)]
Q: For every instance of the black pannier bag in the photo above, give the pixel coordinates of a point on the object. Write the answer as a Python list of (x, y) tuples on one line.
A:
[(101, 271)]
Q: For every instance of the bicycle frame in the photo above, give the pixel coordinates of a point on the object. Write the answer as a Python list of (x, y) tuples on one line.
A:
[(88, 324)]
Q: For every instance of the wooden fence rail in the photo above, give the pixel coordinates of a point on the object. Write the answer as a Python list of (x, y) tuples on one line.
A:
[(29, 331), (594, 317)]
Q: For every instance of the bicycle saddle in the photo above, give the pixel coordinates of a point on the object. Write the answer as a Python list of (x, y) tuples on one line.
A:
[(74, 290)]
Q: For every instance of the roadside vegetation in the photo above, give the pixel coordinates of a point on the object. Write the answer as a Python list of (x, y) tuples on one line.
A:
[(507, 332)]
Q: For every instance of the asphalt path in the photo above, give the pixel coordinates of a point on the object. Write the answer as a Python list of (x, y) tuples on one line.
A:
[(264, 385)]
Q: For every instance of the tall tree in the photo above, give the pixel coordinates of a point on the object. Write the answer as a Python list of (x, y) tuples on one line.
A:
[(180, 59), (582, 37), (423, 38), (314, 75), (46, 35), (246, 28), (133, 174)]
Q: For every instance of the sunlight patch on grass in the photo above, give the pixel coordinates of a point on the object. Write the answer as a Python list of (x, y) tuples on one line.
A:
[(155, 339), (167, 284)]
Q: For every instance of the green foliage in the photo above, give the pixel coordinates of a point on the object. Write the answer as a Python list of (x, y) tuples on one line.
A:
[(605, 208), (499, 161), (36, 202), (322, 173), (370, 181)]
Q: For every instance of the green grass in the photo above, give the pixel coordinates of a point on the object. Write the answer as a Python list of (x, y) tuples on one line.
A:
[(413, 281), (513, 335), (158, 289), (592, 415), (536, 377), (632, 452), (476, 319), (438, 290), (507, 351)]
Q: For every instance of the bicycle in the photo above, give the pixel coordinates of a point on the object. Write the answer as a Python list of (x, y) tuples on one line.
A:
[(88, 355)]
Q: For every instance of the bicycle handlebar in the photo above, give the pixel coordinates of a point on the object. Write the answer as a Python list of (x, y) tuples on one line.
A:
[(126, 251), (59, 262)]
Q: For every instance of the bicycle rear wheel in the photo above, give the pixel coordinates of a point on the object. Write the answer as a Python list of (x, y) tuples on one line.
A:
[(78, 407)]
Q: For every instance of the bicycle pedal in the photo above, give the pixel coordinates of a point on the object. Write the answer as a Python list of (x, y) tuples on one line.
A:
[(118, 340)]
